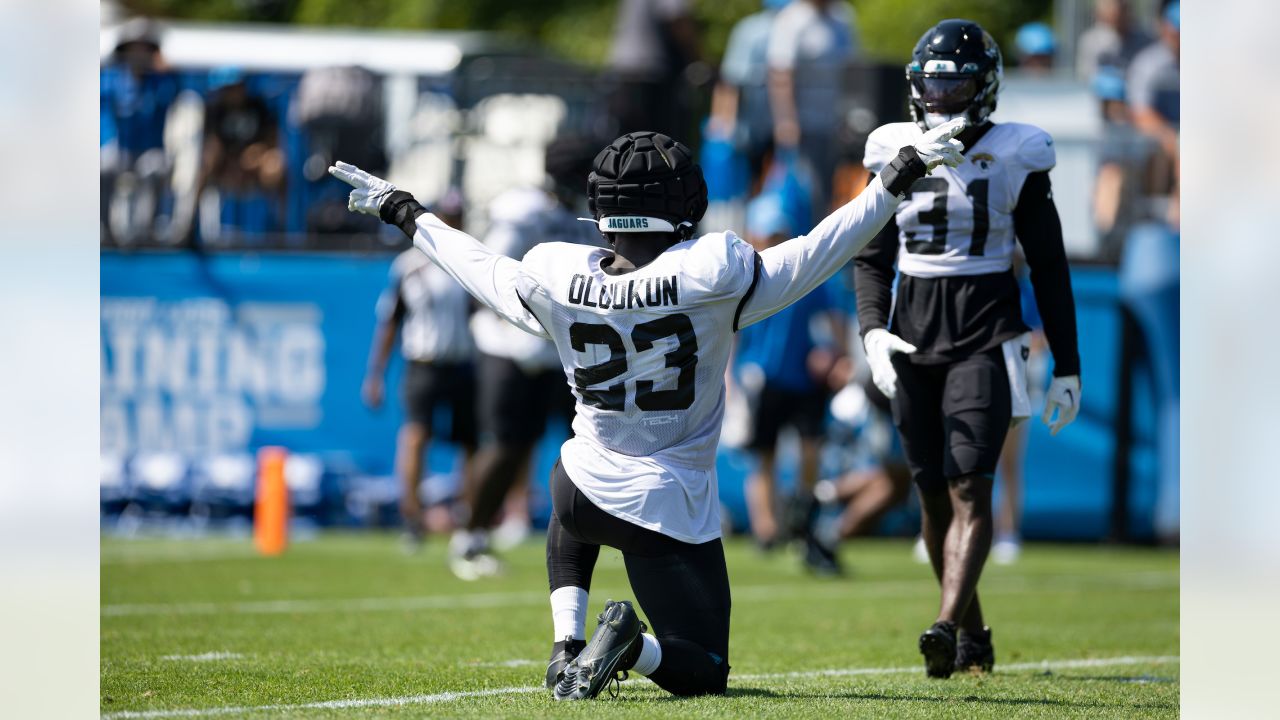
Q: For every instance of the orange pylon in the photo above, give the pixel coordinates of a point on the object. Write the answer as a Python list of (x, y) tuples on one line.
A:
[(271, 504)]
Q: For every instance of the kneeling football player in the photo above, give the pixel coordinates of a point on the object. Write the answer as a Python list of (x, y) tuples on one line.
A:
[(643, 331), (952, 357)]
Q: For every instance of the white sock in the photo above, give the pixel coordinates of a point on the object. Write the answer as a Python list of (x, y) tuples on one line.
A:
[(569, 613), (650, 655)]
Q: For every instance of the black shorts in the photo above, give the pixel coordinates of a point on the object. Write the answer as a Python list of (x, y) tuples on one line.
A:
[(776, 407), (429, 385), (952, 417), (514, 405)]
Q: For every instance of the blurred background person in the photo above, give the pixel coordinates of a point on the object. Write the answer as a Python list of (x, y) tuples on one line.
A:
[(1112, 41), (1149, 267), (784, 370), (1153, 89), (343, 113), (136, 92), (811, 43), (655, 53), (1035, 47), (866, 493), (242, 160), (740, 104), (1010, 475), (1124, 157), (521, 379), (429, 310)]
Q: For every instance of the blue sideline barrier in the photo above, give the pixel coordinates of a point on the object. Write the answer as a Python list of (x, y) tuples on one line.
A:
[(230, 352)]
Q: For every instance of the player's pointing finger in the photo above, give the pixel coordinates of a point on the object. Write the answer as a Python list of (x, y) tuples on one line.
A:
[(338, 172)]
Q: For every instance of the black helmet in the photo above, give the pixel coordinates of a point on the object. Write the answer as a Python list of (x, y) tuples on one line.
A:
[(646, 182), (955, 70)]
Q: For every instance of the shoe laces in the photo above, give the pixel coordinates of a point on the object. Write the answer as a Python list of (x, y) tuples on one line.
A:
[(614, 684)]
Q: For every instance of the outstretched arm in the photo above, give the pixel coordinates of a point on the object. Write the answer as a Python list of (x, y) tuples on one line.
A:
[(789, 271), (491, 278)]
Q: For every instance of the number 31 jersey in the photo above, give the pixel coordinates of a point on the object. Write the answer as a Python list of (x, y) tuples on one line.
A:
[(959, 221), (645, 353)]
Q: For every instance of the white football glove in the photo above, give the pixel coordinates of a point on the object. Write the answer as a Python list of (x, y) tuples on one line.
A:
[(880, 345), (370, 191), (1064, 395), (937, 147)]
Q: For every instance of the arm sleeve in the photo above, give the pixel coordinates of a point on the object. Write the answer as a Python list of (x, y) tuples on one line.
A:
[(789, 271), (494, 279), (1035, 220), (873, 273)]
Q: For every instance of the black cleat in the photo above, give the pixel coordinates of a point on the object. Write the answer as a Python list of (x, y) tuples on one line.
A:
[(613, 648), (938, 645), (820, 559), (974, 652), (801, 514), (562, 653)]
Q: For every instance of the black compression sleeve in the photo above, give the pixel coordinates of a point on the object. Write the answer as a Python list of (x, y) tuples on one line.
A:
[(873, 272), (401, 210), (1035, 220)]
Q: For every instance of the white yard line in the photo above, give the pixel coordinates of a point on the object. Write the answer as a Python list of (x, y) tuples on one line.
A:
[(518, 662), (204, 657), (463, 695), (746, 593)]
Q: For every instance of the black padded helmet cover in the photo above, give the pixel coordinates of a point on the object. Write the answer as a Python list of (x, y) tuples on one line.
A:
[(647, 174)]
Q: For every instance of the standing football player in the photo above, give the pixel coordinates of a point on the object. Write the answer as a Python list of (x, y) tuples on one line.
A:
[(952, 356), (429, 311), (643, 331)]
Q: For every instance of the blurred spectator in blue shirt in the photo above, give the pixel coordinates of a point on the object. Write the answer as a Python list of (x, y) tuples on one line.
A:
[(135, 95), (787, 371), (811, 44), (740, 104), (136, 92)]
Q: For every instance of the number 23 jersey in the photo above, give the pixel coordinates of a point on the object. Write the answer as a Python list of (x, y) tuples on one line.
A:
[(959, 221), (645, 354)]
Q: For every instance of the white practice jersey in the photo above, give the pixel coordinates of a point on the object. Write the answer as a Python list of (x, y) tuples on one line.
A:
[(959, 221), (645, 351), (432, 308)]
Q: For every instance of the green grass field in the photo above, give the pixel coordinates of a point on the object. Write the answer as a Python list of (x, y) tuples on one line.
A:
[(347, 625)]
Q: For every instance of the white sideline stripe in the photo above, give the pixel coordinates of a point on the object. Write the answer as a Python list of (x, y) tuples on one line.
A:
[(748, 593), (518, 662), (204, 657), (325, 705), (462, 695), (1042, 665)]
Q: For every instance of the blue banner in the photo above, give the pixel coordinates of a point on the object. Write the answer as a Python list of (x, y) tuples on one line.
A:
[(226, 353)]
